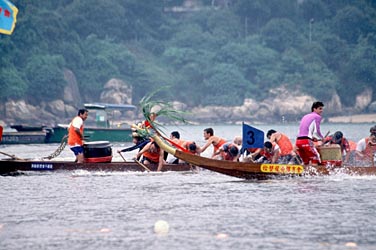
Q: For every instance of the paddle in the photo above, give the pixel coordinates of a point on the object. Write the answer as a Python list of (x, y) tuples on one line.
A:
[(12, 156), (1, 132), (138, 163), (142, 165)]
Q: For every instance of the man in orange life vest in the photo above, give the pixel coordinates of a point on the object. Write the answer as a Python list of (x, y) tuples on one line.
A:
[(286, 149), (76, 135), (227, 152), (212, 139), (152, 154)]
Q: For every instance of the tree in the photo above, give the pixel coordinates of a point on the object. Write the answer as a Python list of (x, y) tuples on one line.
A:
[(350, 23), (319, 81), (45, 78), (358, 73), (12, 85), (224, 86), (280, 34)]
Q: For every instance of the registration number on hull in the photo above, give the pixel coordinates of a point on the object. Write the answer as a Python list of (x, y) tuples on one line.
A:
[(282, 168), (42, 166)]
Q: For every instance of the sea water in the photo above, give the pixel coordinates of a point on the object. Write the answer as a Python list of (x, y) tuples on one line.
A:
[(203, 210)]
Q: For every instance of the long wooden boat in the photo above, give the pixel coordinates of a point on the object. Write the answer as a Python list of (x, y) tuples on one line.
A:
[(248, 170), (9, 166)]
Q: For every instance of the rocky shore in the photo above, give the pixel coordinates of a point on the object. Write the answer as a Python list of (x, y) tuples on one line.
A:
[(283, 105)]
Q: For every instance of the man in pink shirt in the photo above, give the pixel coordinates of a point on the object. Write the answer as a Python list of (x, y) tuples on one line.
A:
[(309, 131)]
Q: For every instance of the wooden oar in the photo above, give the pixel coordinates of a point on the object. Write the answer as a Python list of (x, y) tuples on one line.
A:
[(142, 165), (138, 163), (122, 157), (12, 156)]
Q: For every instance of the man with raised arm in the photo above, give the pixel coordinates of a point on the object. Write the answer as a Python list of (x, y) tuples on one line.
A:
[(212, 139)]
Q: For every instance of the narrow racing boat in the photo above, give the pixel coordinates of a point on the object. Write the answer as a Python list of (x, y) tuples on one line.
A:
[(8, 166), (249, 170)]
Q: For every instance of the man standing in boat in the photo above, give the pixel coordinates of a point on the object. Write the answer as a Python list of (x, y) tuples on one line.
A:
[(76, 135), (309, 131)]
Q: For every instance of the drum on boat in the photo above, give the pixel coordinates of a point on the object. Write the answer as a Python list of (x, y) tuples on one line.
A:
[(97, 151), (330, 154)]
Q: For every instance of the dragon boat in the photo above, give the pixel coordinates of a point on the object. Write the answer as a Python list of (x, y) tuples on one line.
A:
[(11, 166), (331, 164), (97, 157)]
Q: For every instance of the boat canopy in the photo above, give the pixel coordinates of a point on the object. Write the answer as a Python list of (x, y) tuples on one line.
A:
[(104, 106)]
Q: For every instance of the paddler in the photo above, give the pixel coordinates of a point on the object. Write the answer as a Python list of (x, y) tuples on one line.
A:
[(286, 149), (151, 154), (183, 145), (139, 143), (339, 139), (366, 149), (227, 152), (212, 139)]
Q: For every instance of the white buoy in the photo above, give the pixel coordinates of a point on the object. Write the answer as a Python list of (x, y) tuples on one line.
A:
[(351, 244), (161, 227), (221, 236)]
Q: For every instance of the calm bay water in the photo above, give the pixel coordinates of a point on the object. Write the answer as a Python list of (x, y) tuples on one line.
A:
[(204, 210)]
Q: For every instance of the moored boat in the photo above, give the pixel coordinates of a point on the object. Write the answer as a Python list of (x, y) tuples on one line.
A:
[(99, 126), (27, 137), (249, 170)]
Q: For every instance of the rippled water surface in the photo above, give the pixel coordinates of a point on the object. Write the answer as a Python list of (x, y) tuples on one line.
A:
[(204, 210)]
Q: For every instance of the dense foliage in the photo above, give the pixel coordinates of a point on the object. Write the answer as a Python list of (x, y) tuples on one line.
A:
[(216, 52)]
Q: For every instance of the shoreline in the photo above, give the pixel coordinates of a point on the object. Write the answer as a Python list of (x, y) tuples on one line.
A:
[(362, 118)]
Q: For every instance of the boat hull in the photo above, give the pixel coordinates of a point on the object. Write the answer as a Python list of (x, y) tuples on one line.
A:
[(10, 166), (249, 170)]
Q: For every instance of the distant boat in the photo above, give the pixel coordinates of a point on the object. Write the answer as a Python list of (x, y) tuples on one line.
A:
[(101, 125)]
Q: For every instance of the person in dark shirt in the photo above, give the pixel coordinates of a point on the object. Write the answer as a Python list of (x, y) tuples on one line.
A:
[(139, 142)]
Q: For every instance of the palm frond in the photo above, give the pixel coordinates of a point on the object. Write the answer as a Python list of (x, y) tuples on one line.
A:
[(161, 109)]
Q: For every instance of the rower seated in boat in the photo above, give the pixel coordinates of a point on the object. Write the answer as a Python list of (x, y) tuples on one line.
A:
[(152, 154), (213, 140), (366, 150), (227, 152), (338, 139), (286, 149), (139, 143)]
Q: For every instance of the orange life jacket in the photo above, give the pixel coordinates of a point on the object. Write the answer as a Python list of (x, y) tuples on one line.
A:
[(153, 156), (226, 154), (219, 144), (73, 137), (285, 145)]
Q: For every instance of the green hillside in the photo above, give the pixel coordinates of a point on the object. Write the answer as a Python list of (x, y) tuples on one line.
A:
[(208, 52)]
